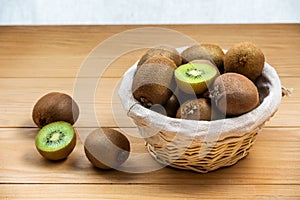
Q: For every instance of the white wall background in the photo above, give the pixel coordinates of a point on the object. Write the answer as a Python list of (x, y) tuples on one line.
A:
[(37, 12)]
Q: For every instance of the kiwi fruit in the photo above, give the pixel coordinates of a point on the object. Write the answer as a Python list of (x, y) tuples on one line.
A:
[(161, 60), (55, 106), (195, 52), (172, 106), (106, 148), (165, 51), (56, 140), (196, 109), (246, 59), (195, 77), (234, 94), (216, 54), (153, 84)]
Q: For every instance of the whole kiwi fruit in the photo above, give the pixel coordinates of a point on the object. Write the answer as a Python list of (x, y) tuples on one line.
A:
[(195, 52), (172, 106), (234, 94), (195, 109), (216, 54), (153, 84), (106, 148), (165, 51), (55, 106), (245, 58), (56, 140), (162, 60)]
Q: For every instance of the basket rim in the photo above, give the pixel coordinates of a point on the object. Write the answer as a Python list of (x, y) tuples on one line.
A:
[(241, 124)]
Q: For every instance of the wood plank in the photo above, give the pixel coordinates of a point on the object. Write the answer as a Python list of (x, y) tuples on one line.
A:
[(46, 191), (58, 51), (274, 159), (16, 104)]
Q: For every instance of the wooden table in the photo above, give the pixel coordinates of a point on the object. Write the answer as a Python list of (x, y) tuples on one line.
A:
[(37, 60)]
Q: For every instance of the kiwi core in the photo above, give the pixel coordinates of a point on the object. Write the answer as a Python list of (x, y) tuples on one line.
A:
[(194, 73), (55, 136)]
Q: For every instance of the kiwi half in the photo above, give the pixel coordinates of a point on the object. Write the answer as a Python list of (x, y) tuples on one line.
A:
[(246, 59), (55, 106), (56, 140), (234, 94), (165, 51), (106, 148), (196, 76)]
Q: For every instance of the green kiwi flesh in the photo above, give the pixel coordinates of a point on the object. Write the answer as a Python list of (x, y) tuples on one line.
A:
[(195, 77), (56, 140), (55, 106), (246, 59), (106, 148)]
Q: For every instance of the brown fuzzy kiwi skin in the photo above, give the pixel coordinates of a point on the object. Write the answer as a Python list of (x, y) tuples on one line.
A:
[(172, 106), (195, 52), (162, 60), (106, 148), (216, 54), (196, 109), (165, 51), (62, 153), (234, 94), (153, 84), (245, 58), (55, 106)]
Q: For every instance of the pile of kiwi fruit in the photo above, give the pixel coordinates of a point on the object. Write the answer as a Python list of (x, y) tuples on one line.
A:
[(55, 114), (200, 83)]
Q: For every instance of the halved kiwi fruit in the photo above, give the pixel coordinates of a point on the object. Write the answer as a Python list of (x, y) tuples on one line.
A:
[(196, 76), (234, 94), (165, 51), (106, 148), (56, 140), (55, 106), (245, 58)]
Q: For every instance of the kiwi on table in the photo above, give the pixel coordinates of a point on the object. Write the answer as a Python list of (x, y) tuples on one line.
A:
[(195, 77), (195, 52), (165, 51), (106, 148), (56, 140), (55, 106), (216, 54), (245, 58), (196, 109), (153, 84), (234, 94)]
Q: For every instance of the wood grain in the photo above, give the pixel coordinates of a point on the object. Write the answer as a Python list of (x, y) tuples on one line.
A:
[(35, 60), (58, 191)]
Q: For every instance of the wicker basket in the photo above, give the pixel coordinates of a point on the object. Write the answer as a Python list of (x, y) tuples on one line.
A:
[(202, 146)]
